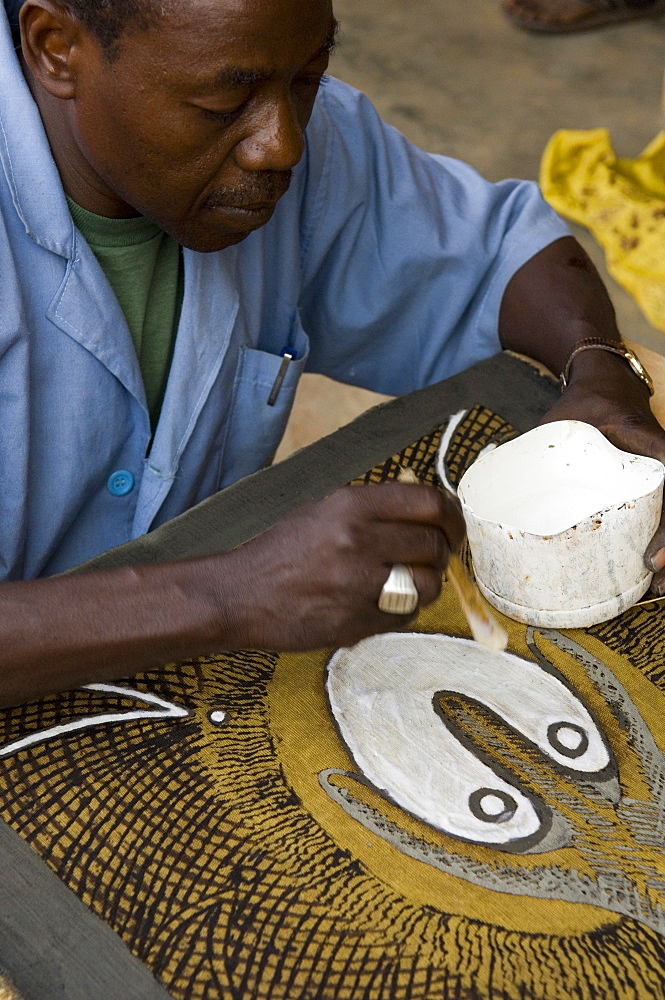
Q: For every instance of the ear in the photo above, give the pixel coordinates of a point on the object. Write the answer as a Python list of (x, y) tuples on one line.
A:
[(49, 37)]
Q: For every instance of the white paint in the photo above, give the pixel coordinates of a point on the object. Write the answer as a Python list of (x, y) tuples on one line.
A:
[(569, 738), (558, 521), (218, 717), (447, 436), (551, 478), (381, 695), (166, 710), (543, 510), (492, 805)]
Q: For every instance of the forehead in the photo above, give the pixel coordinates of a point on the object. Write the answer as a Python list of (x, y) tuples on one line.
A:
[(211, 40)]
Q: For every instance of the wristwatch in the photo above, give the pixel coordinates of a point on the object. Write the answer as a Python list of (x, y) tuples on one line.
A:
[(615, 347)]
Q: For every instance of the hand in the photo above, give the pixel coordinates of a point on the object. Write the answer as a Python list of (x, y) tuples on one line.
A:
[(606, 393), (313, 580)]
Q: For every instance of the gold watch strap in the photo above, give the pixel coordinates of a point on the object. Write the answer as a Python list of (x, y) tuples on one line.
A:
[(614, 347)]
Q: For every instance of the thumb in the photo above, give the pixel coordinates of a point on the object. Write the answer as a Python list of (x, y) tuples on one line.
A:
[(640, 435)]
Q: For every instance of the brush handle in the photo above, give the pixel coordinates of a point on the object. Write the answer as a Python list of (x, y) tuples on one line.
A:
[(484, 627)]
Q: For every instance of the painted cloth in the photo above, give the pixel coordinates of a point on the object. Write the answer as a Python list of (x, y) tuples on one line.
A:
[(7, 990), (382, 266), (622, 202), (212, 814), (143, 267)]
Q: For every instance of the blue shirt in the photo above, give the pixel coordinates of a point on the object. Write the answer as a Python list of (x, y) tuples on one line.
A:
[(383, 266)]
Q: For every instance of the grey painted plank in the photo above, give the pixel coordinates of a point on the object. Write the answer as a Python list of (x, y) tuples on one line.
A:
[(52, 946)]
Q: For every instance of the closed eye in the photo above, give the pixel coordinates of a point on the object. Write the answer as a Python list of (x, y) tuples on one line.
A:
[(226, 117)]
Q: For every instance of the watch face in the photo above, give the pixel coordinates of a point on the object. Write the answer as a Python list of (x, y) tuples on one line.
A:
[(639, 369)]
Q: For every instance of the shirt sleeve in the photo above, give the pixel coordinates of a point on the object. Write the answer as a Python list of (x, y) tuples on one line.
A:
[(406, 254)]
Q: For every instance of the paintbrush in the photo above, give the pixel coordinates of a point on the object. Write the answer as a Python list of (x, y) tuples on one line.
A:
[(484, 628)]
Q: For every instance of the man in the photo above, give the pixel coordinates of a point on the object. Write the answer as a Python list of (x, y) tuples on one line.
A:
[(137, 377)]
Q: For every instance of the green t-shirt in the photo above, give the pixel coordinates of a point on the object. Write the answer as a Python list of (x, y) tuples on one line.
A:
[(144, 268)]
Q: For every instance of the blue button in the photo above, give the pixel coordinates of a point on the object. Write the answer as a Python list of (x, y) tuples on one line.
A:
[(120, 483)]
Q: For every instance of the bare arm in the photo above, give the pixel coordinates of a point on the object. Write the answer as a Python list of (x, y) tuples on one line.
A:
[(554, 300), (313, 580)]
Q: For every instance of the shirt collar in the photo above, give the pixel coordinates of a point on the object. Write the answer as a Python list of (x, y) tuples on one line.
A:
[(25, 155)]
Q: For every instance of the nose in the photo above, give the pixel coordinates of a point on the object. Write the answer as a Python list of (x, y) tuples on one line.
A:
[(275, 141)]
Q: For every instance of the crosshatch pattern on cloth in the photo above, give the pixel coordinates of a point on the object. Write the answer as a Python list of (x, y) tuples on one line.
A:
[(212, 815), (7, 991)]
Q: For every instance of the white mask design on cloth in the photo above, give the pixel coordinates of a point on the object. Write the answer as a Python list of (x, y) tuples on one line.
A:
[(385, 697)]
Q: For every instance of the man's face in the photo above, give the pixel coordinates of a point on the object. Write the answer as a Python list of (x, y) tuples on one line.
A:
[(199, 121)]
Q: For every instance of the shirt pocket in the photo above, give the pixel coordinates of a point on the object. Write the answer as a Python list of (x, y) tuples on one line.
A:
[(265, 386)]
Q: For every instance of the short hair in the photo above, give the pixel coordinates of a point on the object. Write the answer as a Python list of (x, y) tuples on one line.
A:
[(106, 19)]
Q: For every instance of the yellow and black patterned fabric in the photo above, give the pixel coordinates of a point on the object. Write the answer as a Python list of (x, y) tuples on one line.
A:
[(211, 814), (7, 990)]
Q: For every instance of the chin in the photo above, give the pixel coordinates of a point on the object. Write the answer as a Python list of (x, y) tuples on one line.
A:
[(208, 242), (222, 228)]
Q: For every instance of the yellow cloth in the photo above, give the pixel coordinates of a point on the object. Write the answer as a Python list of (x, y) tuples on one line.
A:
[(622, 202)]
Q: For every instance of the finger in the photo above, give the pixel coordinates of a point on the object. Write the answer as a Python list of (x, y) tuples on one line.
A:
[(641, 436), (654, 556), (428, 584), (411, 544), (418, 503)]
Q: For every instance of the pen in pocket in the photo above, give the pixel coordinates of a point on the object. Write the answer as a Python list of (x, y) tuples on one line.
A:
[(288, 355)]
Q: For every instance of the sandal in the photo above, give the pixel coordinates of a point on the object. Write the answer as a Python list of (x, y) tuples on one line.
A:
[(559, 16)]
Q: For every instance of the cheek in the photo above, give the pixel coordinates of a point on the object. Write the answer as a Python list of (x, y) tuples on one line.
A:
[(179, 155), (152, 154)]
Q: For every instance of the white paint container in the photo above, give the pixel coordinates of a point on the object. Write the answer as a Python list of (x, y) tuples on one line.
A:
[(558, 522)]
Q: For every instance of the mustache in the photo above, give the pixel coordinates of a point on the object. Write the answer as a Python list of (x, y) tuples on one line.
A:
[(265, 187)]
